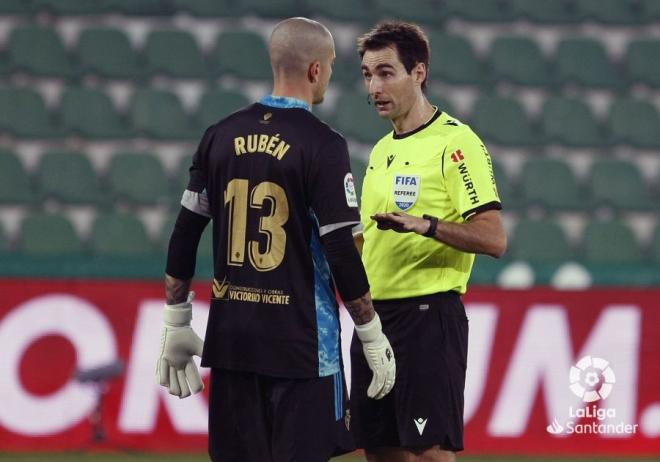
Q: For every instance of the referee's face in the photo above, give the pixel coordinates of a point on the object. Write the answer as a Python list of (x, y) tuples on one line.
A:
[(390, 86)]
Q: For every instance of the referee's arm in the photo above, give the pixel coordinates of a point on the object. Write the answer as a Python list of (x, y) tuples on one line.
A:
[(482, 232)]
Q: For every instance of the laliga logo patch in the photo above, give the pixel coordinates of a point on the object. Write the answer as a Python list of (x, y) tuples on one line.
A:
[(349, 190), (406, 190)]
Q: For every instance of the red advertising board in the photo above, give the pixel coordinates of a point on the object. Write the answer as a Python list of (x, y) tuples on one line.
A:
[(549, 372)]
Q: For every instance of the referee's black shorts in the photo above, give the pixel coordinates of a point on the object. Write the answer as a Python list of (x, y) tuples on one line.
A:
[(257, 418), (429, 336)]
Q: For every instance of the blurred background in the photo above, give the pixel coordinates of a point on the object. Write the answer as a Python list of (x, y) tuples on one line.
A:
[(102, 103)]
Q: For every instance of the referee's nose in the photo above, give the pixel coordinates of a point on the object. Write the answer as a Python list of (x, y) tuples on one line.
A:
[(374, 87)]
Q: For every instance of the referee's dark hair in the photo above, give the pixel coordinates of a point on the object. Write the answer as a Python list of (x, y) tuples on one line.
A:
[(410, 41)]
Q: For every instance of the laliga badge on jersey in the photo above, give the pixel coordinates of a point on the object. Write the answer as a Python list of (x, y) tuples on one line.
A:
[(349, 190), (406, 190)]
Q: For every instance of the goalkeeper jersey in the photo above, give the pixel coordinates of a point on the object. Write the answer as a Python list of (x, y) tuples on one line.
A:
[(442, 169), (274, 179)]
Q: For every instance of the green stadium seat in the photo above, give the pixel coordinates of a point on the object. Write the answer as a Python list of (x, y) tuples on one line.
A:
[(5, 65), (481, 10), (610, 11), (107, 52), (175, 53), (159, 114), (342, 10), (14, 7), (44, 234), (552, 184), (611, 243), (486, 269), (584, 61), (119, 235), (420, 11), (346, 70), (441, 102), (140, 7), (138, 178), (4, 241), (649, 10), (216, 104), (503, 121), (570, 122), (90, 113), (181, 178), (505, 188), (356, 119), (68, 176), (518, 60), (642, 63), (23, 113), (39, 51), (540, 242), (655, 245), (453, 60), (14, 182), (204, 8), (270, 8), (619, 184), (70, 7), (547, 12), (635, 122), (243, 54)]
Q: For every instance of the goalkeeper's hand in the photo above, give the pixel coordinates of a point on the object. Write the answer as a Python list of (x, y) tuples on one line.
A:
[(175, 368), (380, 357)]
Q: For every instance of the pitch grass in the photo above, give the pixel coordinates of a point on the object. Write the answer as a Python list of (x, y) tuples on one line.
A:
[(355, 457)]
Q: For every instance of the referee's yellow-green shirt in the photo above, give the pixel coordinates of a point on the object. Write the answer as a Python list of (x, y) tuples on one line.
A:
[(441, 169)]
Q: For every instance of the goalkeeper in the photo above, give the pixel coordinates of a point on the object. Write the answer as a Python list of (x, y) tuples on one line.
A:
[(429, 203), (276, 182)]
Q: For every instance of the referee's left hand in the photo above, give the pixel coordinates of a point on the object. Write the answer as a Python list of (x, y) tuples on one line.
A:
[(401, 222)]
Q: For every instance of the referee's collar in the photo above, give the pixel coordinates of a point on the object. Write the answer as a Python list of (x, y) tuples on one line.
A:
[(284, 102), (433, 118)]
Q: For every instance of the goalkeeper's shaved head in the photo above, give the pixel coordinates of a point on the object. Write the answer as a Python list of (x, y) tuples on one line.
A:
[(295, 43)]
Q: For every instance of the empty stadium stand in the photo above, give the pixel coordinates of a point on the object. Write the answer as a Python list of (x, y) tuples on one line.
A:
[(102, 105)]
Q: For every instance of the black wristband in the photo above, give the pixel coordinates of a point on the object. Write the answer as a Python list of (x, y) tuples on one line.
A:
[(433, 227)]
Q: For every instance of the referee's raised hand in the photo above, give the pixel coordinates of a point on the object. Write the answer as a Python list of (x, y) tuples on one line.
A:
[(400, 222)]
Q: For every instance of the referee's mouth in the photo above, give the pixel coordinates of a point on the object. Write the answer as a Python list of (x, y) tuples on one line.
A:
[(382, 105)]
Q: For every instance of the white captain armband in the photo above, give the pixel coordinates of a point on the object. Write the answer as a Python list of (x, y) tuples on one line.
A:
[(323, 230), (196, 202)]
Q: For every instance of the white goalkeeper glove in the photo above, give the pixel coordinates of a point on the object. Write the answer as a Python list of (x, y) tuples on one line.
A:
[(175, 368), (380, 357)]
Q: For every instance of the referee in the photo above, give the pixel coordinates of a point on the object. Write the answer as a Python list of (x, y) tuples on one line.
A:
[(429, 203)]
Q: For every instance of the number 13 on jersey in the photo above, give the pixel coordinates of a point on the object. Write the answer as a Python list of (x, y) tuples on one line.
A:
[(271, 225)]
